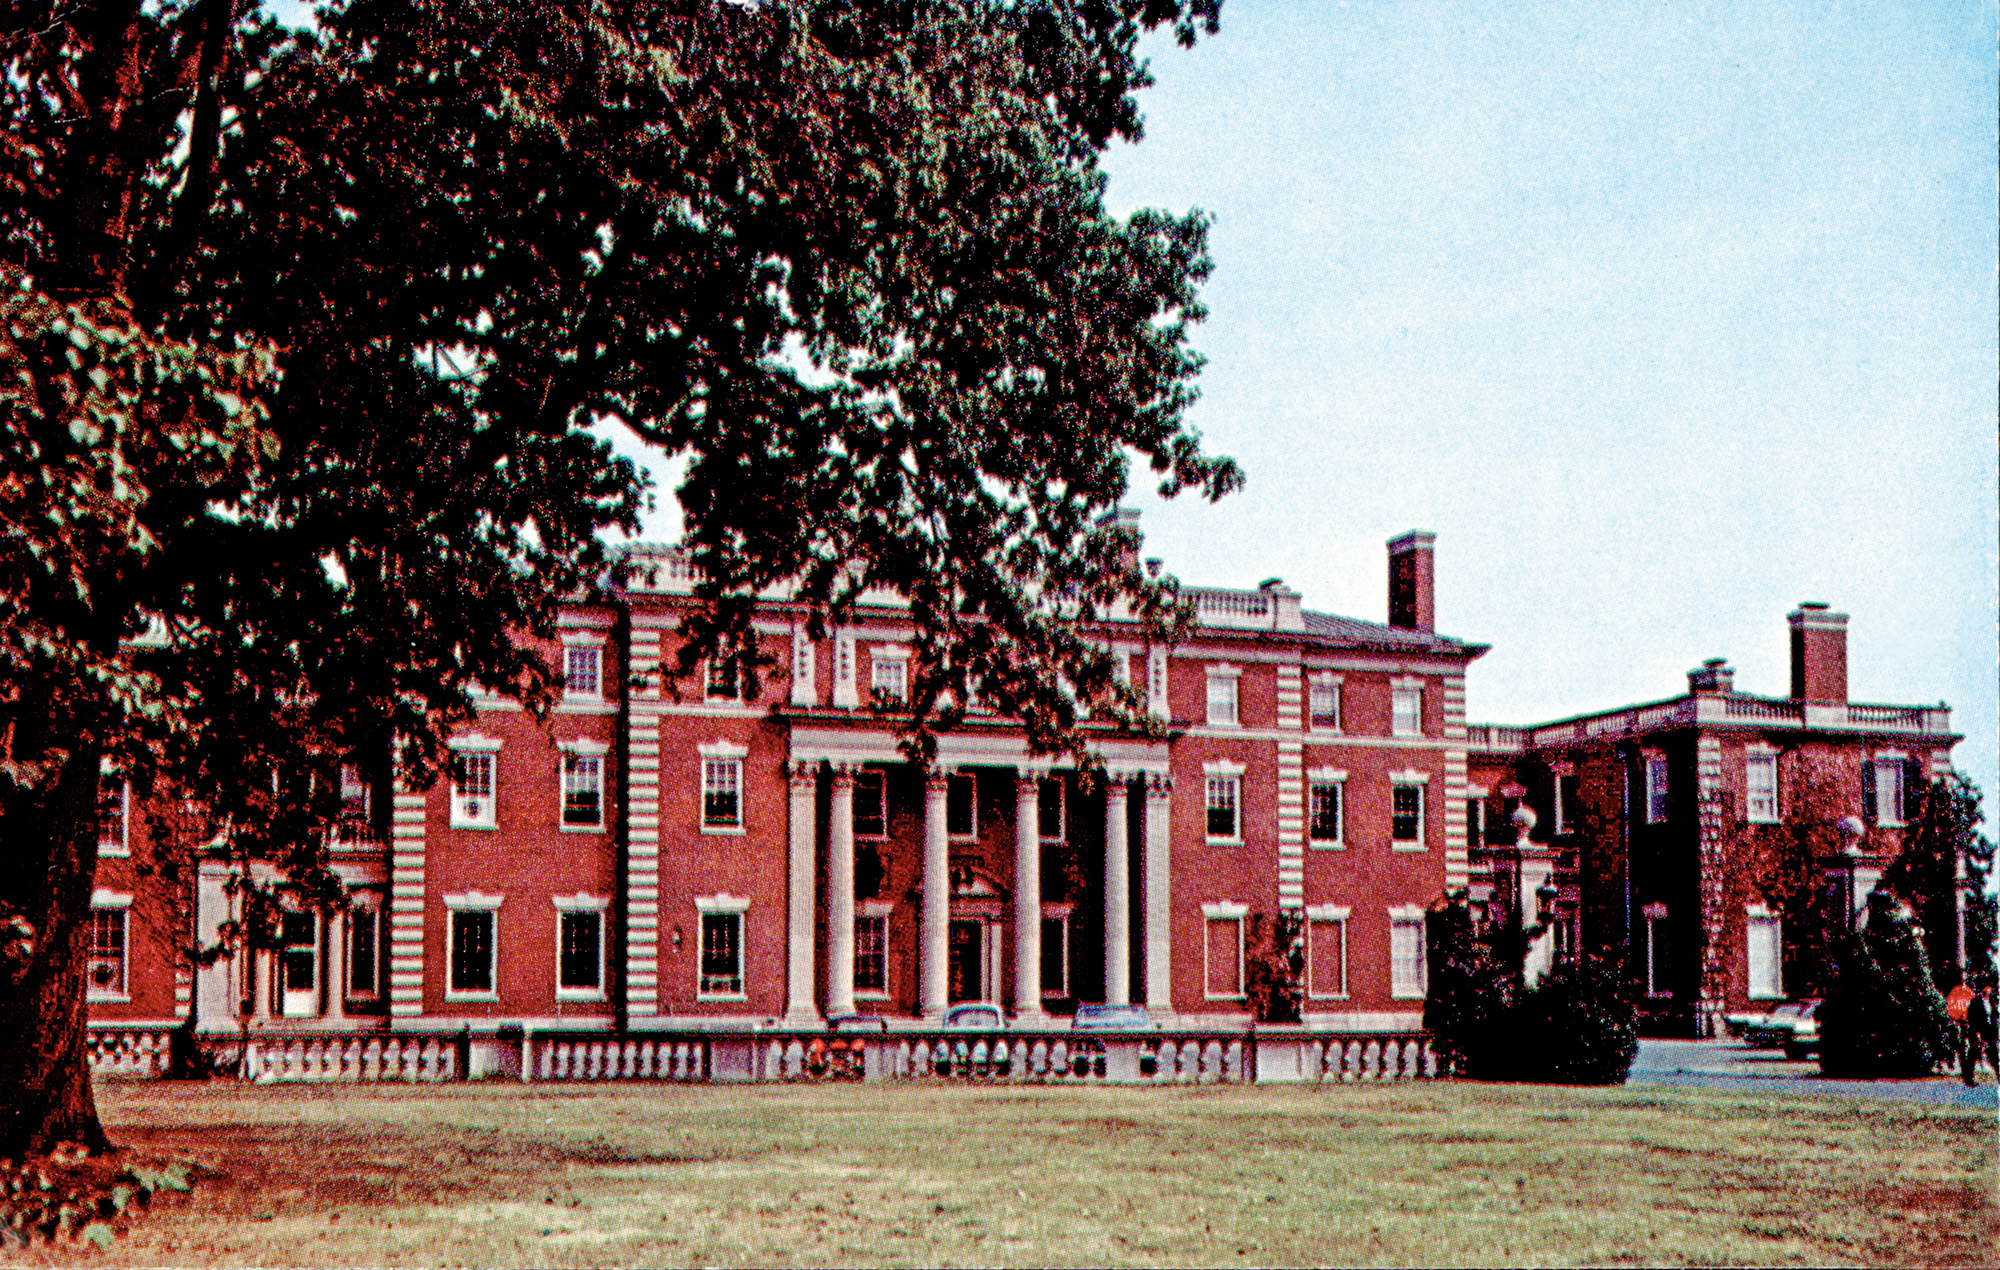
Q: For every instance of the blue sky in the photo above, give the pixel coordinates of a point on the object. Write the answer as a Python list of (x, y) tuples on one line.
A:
[(1664, 317)]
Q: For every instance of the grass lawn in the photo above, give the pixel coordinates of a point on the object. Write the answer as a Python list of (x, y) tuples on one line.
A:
[(1404, 1174)]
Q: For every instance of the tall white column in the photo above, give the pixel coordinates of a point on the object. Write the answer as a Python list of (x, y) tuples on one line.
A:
[(931, 957), (1117, 893), (840, 896), (1027, 895), (1159, 913), (336, 965), (800, 896)]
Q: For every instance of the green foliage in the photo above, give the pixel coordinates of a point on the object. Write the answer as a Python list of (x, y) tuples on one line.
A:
[(1577, 1026), (72, 1195), (1942, 833), (1884, 1015), (1276, 976)]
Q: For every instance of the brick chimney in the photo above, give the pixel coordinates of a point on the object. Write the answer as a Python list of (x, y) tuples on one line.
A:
[(1819, 655), (1714, 675), (1411, 603)]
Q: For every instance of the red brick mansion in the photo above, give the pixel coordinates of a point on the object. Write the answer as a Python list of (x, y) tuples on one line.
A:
[(663, 861)]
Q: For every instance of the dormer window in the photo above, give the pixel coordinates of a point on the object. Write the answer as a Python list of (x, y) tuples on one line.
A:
[(1222, 711)]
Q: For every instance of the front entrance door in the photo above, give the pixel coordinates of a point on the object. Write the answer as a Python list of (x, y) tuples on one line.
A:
[(968, 960)]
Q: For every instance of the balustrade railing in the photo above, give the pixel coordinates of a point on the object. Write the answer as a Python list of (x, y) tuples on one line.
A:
[(926, 1055)]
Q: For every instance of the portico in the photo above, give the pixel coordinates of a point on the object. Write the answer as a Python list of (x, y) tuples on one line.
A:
[(966, 894)]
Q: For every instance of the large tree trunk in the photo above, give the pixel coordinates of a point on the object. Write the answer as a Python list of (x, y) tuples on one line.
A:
[(45, 888)]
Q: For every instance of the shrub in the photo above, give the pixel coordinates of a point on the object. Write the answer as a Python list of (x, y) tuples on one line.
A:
[(1883, 1015), (1275, 981), (1578, 1026)]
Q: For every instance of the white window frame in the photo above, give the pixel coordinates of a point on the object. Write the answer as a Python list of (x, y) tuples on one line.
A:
[(1322, 915), (1889, 771), (576, 654), (1330, 684), (892, 657), (871, 784), (719, 759), (970, 783), (1406, 707), (567, 906), (1408, 918), (122, 845), (1659, 788), (363, 914), (1051, 781), (1316, 779), (1760, 806), (103, 901), (1654, 919), (1060, 915), (724, 905), (1756, 917), (1223, 703), (874, 912), (488, 749), (312, 947), (576, 752), (1475, 819), (1420, 782), (1219, 777), (472, 902), (1559, 809), (721, 679), (1223, 912)]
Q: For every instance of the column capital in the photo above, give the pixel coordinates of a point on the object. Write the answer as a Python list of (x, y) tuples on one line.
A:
[(1029, 777), (843, 774), (802, 772), (1159, 785), (937, 778)]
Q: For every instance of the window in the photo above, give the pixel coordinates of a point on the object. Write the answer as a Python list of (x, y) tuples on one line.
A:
[(1324, 826), (1406, 710), (1565, 797), (1222, 697), (472, 951), (114, 802), (1406, 818), (1765, 946), (1760, 786), (1656, 789), (961, 806), (721, 793), (472, 793), (580, 952), (1055, 957), (364, 926), (105, 969), (357, 803), (1655, 916), (1326, 954), (722, 954), (1224, 951), (298, 963), (871, 954), (1475, 820), (871, 804), (1051, 809), (1323, 703), (1225, 823), (583, 671), (889, 676), (1406, 954), (583, 791), (1883, 791)]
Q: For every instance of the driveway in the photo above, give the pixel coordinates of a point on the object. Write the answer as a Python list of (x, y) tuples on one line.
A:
[(1735, 1067)]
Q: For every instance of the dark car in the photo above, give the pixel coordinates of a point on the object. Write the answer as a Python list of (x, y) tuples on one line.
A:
[(1112, 1018)]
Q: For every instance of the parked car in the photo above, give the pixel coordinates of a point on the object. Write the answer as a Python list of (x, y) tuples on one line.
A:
[(1112, 1018), (1775, 1031), (1804, 1041), (983, 1016), (857, 1023)]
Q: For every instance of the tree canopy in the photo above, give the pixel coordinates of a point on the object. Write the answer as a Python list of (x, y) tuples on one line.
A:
[(304, 332)]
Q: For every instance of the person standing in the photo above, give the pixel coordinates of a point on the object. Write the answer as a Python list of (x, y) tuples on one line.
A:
[(1979, 1034)]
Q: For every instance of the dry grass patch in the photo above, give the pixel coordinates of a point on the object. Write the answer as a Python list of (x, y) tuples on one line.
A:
[(773, 1175)]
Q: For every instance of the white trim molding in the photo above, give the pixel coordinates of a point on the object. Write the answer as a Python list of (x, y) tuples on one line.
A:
[(723, 902)]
